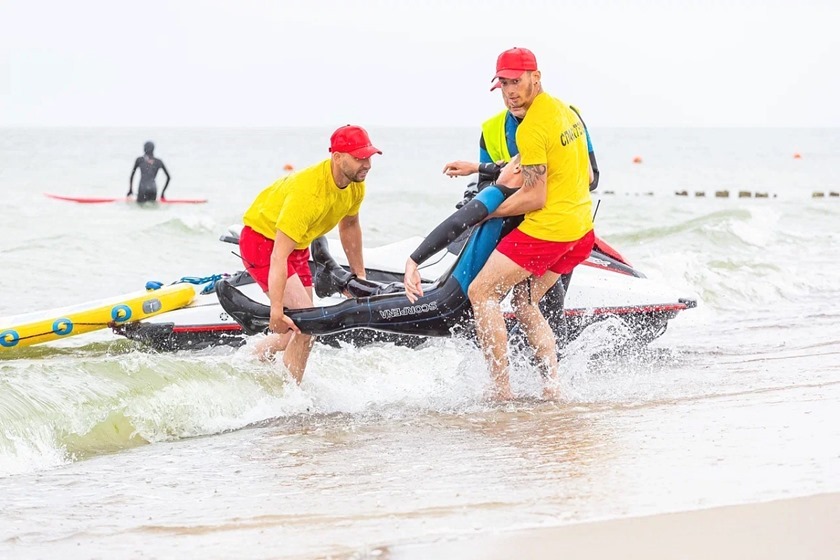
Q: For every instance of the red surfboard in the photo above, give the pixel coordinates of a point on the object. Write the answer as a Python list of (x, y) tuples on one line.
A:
[(100, 200)]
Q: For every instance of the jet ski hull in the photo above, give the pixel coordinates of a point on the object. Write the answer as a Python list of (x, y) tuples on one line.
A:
[(602, 287)]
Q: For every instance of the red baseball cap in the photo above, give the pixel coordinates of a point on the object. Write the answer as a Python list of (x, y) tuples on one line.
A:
[(512, 63), (352, 140)]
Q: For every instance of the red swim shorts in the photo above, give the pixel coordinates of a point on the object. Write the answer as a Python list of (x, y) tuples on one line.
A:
[(256, 255), (536, 256)]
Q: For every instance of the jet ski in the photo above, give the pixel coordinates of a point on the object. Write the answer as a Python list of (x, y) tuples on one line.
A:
[(352, 311)]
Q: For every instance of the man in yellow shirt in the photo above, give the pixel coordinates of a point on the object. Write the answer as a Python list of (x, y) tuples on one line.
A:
[(287, 216), (557, 232)]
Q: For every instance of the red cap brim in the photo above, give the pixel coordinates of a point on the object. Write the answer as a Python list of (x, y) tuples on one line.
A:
[(508, 74), (365, 152)]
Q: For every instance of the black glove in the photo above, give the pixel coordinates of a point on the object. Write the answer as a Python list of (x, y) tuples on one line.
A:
[(489, 171)]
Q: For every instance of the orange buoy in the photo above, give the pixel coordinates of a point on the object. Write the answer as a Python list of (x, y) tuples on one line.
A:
[(288, 167), (637, 159), (797, 155)]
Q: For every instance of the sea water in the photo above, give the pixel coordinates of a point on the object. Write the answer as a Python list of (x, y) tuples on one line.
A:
[(109, 450)]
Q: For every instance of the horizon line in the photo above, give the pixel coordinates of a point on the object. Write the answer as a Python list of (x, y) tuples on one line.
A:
[(392, 126)]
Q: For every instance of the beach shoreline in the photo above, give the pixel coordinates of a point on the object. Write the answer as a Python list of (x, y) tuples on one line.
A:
[(803, 527)]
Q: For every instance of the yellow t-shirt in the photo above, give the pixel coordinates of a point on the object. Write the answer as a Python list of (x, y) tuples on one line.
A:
[(552, 134), (304, 205)]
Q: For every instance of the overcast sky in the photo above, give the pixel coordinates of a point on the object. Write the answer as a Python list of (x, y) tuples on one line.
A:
[(405, 63)]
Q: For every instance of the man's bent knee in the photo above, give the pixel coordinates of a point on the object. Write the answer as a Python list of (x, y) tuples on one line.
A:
[(476, 293)]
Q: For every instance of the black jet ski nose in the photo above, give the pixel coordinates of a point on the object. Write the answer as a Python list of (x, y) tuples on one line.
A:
[(252, 316)]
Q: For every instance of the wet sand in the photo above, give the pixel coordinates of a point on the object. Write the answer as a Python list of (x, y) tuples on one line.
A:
[(801, 528)]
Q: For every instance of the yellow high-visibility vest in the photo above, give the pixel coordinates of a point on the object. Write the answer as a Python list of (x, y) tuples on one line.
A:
[(493, 130)]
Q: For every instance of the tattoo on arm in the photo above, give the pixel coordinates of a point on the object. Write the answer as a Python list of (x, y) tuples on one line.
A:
[(531, 174)]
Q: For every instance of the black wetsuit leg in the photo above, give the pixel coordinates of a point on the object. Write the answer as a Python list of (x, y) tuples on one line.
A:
[(456, 224), (442, 311), (552, 307), (437, 313)]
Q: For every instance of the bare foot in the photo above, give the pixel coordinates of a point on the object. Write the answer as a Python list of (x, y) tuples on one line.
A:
[(551, 393), (551, 389), (502, 393)]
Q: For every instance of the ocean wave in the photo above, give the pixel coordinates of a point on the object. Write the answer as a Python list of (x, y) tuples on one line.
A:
[(190, 223), (737, 258), (62, 409), (721, 226), (69, 407)]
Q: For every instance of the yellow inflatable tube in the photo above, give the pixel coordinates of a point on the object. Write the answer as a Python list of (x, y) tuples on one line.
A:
[(44, 326)]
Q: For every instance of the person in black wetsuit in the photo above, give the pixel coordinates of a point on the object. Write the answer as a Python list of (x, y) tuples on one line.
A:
[(442, 310), (458, 227), (438, 309), (149, 166), (493, 155)]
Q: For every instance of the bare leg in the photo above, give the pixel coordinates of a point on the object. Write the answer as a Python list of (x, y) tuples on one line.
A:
[(486, 292), (300, 345), (272, 344), (297, 354), (537, 330), (295, 297)]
